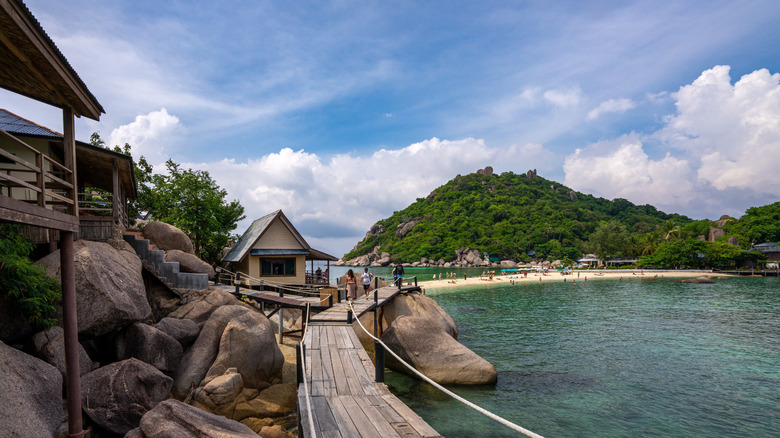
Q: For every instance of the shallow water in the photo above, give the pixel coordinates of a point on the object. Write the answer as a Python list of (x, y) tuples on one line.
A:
[(615, 359)]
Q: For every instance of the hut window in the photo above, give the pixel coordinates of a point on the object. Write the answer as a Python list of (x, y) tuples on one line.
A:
[(277, 267)]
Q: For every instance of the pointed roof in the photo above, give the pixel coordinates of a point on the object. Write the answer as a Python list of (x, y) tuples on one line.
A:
[(256, 231)]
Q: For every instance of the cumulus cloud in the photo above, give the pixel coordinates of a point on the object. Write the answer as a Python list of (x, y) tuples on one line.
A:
[(611, 106), (147, 134), (334, 200), (734, 129), (621, 169), (722, 143)]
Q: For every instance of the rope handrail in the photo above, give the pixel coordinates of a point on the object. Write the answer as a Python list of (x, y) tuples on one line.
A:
[(305, 382), (479, 409)]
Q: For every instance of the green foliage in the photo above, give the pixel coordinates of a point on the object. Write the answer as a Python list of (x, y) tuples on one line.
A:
[(758, 225), (192, 201), (507, 215), (26, 284), (187, 199)]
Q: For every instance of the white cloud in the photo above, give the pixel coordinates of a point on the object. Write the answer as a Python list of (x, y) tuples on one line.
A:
[(611, 106), (726, 143), (148, 134), (621, 169), (563, 98), (335, 200), (734, 129)]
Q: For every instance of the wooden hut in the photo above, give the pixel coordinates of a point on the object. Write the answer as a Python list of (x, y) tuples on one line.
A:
[(272, 249)]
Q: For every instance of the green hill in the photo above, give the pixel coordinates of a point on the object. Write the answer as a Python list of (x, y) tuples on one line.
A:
[(507, 216)]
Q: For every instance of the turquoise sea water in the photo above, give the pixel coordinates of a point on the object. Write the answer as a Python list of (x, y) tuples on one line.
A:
[(615, 359)]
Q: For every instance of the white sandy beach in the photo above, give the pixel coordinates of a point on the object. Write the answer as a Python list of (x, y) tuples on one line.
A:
[(576, 276)]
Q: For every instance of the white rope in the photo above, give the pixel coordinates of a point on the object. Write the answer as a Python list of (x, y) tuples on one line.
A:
[(305, 382), (485, 412)]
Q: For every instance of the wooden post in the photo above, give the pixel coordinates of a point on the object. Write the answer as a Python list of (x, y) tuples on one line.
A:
[(70, 325), (40, 180), (281, 324), (299, 363), (379, 361), (238, 283), (376, 312), (116, 197), (69, 146)]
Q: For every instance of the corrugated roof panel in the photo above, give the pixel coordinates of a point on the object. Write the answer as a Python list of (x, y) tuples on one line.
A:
[(249, 237), (14, 124)]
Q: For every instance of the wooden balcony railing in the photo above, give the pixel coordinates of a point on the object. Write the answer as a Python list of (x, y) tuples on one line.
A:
[(51, 188)]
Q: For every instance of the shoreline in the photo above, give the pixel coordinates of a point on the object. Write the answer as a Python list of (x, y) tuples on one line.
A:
[(584, 276)]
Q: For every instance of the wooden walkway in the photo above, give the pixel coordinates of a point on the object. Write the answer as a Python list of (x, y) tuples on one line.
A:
[(338, 314), (345, 400)]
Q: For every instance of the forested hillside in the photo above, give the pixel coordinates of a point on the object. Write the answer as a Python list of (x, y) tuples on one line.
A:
[(512, 216)]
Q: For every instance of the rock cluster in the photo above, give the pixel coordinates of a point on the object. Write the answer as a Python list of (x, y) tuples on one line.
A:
[(138, 368)]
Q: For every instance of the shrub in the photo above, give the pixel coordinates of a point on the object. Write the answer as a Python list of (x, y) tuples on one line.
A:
[(24, 283)]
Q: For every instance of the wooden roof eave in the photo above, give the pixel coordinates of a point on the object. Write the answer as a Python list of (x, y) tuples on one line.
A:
[(38, 61)]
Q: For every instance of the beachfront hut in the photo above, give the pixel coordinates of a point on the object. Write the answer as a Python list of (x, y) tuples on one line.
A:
[(271, 249), (106, 181), (590, 262), (33, 67), (770, 249)]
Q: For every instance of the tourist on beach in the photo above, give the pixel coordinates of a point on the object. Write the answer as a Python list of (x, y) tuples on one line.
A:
[(351, 282), (366, 281)]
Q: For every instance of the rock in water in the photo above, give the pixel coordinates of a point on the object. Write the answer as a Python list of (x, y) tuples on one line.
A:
[(432, 351), (167, 237), (31, 394), (172, 418), (116, 396), (415, 304), (189, 263), (110, 286)]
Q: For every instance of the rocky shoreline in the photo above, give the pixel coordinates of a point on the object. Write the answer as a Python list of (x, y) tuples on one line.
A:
[(463, 258)]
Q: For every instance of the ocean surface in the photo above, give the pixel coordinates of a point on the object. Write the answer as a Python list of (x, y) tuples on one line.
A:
[(614, 359)]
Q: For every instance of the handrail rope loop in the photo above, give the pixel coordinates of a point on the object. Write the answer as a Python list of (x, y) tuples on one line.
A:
[(305, 381), (483, 411)]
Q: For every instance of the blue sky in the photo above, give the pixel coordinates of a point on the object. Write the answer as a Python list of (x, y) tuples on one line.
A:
[(342, 112)]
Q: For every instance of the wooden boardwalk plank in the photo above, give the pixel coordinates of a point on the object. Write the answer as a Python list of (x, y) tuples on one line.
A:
[(345, 399)]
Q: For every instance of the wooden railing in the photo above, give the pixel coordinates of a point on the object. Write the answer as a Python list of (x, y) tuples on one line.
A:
[(51, 188)]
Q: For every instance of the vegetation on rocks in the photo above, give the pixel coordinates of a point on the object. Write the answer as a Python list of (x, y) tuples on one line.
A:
[(28, 285), (508, 216)]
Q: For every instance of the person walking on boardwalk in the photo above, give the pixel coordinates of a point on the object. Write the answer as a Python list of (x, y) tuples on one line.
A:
[(366, 281), (351, 281), (398, 274)]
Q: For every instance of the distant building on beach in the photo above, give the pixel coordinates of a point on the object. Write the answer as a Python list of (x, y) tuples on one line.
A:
[(271, 249)]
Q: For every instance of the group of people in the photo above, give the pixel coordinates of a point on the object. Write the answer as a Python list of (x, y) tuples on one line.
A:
[(351, 282)]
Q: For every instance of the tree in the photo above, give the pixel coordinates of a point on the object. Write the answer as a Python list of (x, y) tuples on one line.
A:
[(192, 201), (610, 239)]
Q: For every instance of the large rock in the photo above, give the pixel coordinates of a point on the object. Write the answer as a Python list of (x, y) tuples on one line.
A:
[(248, 344), (415, 304), (167, 237), (111, 292), (190, 263), (275, 401), (198, 359), (508, 264), (116, 396), (200, 310), (30, 395), (183, 330), (149, 345), (174, 419), (432, 351), (714, 234), (50, 346)]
